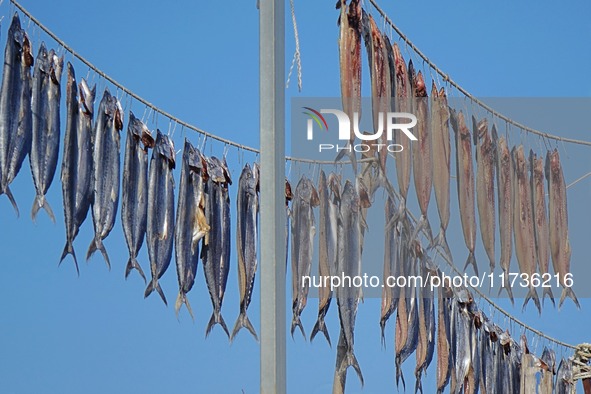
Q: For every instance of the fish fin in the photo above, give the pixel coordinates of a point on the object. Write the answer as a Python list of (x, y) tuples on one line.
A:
[(348, 150), (69, 249), (216, 318), (532, 294), (441, 240), (547, 291), (568, 292), (418, 384), (351, 361), (399, 374), (296, 322), (180, 300), (320, 326), (471, 261), (243, 321), (8, 193), (97, 244), (507, 287), (154, 285), (41, 202), (131, 264)]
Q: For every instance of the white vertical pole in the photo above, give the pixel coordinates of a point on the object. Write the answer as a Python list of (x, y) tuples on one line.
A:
[(272, 200)]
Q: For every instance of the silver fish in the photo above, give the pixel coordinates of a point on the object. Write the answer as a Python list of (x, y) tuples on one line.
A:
[(191, 224), (349, 263), (485, 187), (329, 194), (134, 197), (106, 172), (247, 204), (465, 181), (558, 222), (548, 368), (564, 377), (463, 347), (160, 220), (444, 300), (215, 250), (76, 172), (303, 228), (505, 197), (46, 125), (15, 107), (390, 294), (427, 337)]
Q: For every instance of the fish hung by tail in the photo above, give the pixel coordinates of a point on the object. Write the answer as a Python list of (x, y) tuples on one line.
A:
[(320, 326), (471, 261), (10, 196), (568, 292), (399, 374), (423, 224), (243, 322), (154, 285), (296, 322), (441, 240), (69, 249), (97, 244), (41, 202), (180, 300), (351, 361), (547, 292), (132, 263), (507, 286), (532, 294), (216, 318)]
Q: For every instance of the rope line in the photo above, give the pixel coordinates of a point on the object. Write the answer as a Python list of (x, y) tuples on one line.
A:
[(297, 54), (447, 78)]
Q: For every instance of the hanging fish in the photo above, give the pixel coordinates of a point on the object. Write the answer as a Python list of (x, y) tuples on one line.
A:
[(247, 210), (215, 251), (427, 337), (558, 222), (390, 294), (134, 197), (564, 377), (106, 175), (350, 67), (485, 187), (191, 224), (45, 107), (444, 299), (15, 107), (303, 228), (465, 181), (288, 197)]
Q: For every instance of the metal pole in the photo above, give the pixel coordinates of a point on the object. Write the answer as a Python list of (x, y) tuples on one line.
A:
[(272, 202)]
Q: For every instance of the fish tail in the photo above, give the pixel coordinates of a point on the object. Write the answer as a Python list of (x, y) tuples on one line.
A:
[(548, 292), (10, 196), (532, 294), (132, 263), (97, 244), (471, 261), (41, 202), (418, 384), (154, 285), (399, 374), (568, 292), (441, 240), (507, 286), (216, 318), (296, 322), (351, 361), (383, 329), (320, 326), (348, 150), (69, 249), (243, 322), (180, 300)]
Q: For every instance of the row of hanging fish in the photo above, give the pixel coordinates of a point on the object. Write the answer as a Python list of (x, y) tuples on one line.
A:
[(537, 227), (91, 172)]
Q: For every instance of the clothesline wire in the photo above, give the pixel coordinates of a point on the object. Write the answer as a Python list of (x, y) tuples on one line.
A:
[(251, 149), (447, 78)]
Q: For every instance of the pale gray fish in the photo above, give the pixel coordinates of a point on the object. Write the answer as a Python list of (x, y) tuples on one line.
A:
[(329, 195), (505, 198), (76, 171), (523, 222), (215, 250), (463, 347), (427, 337), (558, 221), (564, 377), (288, 197), (160, 220), (45, 106), (441, 147), (390, 294), (548, 368), (191, 224), (349, 263), (488, 350), (134, 196), (515, 366), (15, 107), (303, 228), (530, 368), (444, 367), (485, 187), (541, 229), (465, 182), (106, 172), (247, 204), (472, 383)]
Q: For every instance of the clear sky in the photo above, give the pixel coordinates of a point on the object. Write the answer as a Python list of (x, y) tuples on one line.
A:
[(199, 60)]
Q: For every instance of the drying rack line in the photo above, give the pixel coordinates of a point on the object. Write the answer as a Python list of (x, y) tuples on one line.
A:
[(448, 79)]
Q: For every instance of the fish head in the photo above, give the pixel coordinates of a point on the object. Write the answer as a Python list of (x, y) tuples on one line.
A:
[(548, 360), (87, 97), (71, 76), (42, 61), (419, 85), (350, 198), (117, 114), (192, 157), (334, 185), (314, 198), (227, 177), (27, 51), (362, 192), (215, 170), (519, 161), (288, 192), (256, 176), (56, 65)]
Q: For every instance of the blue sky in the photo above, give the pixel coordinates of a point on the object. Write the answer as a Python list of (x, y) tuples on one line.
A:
[(199, 60)]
